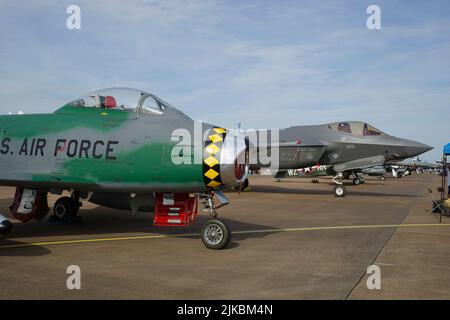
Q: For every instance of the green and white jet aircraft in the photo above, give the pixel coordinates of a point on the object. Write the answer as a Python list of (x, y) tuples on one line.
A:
[(121, 148)]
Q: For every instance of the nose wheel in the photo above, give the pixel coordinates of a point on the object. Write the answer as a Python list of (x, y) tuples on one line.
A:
[(340, 191), (215, 234)]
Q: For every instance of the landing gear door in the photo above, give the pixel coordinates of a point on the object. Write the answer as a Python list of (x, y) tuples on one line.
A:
[(27, 202)]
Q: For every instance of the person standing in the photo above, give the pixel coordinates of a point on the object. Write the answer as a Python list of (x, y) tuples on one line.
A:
[(448, 182)]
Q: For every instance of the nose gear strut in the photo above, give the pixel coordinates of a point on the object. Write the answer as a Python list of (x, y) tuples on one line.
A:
[(339, 189)]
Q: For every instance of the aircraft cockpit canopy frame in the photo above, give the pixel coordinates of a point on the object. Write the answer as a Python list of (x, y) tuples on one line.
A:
[(356, 128), (123, 99)]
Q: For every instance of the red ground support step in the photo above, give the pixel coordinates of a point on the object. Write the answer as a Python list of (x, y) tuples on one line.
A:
[(174, 209)]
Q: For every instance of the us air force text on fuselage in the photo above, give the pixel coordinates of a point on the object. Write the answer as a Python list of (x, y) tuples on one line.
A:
[(72, 148), (225, 310)]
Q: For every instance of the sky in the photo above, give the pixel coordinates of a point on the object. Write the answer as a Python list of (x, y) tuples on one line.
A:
[(266, 64)]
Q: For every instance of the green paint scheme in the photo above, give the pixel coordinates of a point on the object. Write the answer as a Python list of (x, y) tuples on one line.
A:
[(145, 165), (64, 119), (141, 156), (109, 142), (119, 148)]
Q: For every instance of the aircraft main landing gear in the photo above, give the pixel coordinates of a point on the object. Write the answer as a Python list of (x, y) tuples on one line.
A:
[(66, 209), (5, 225), (245, 184), (357, 179)]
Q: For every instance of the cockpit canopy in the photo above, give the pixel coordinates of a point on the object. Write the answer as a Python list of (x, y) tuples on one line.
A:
[(356, 128), (124, 99)]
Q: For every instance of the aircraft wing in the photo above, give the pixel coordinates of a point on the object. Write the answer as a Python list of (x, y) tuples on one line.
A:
[(424, 165), (359, 164), (15, 178)]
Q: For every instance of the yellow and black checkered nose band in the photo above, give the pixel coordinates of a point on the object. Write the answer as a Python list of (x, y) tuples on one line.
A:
[(211, 157)]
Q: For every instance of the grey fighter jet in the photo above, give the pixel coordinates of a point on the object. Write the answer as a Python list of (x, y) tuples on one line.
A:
[(345, 147), (376, 171), (415, 163)]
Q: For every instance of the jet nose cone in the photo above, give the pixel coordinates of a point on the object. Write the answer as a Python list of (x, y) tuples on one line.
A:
[(414, 148)]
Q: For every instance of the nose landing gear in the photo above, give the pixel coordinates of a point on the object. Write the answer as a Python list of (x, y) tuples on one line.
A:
[(180, 210), (215, 233), (339, 189)]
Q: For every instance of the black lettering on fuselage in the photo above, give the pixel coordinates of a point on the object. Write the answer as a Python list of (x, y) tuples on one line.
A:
[(5, 146), (84, 148), (60, 145), (24, 147), (94, 150), (72, 148), (33, 142), (109, 150), (40, 145)]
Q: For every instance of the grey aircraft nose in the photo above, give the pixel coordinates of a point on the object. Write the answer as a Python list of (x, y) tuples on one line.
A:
[(414, 148)]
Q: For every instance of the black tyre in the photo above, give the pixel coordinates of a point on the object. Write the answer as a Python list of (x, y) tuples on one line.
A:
[(357, 181), (340, 191), (5, 227), (215, 234), (65, 208), (245, 184)]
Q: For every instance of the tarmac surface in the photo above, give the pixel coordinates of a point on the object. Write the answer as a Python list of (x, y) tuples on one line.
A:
[(291, 240)]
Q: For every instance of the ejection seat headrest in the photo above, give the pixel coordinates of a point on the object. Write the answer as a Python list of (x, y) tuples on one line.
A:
[(110, 102)]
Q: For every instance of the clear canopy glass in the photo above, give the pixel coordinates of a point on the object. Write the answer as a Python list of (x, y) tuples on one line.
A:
[(125, 99), (356, 128)]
